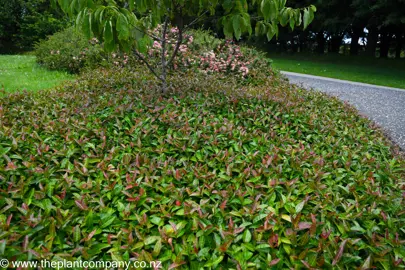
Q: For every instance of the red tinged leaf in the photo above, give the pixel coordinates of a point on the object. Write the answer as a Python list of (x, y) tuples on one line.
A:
[(11, 166), (175, 265), (273, 240), (274, 262), (109, 239), (177, 175), (90, 235), (313, 226), (398, 262), (223, 205), (9, 220), (269, 161), (384, 215), (81, 205), (170, 241), (273, 182), (304, 225), (129, 187), (62, 194), (25, 243), (306, 264), (33, 252), (340, 253), (325, 235), (224, 247), (230, 223)]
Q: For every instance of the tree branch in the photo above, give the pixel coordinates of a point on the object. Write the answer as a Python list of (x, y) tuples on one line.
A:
[(179, 17), (146, 33), (163, 77), (139, 55), (195, 21)]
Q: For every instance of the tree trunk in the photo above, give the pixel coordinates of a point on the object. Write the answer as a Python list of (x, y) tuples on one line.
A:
[(335, 43), (398, 48), (164, 66), (354, 44), (385, 44), (320, 40), (302, 41), (372, 39)]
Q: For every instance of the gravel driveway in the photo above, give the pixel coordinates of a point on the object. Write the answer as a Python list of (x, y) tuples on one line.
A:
[(384, 105)]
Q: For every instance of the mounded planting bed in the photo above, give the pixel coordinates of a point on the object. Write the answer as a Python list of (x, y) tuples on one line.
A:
[(215, 175)]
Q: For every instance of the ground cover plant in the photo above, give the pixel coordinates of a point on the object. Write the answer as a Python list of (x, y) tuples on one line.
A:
[(20, 72), (221, 174), (386, 72)]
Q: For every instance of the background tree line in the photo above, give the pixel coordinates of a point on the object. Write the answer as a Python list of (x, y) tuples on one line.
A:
[(375, 27), (24, 22)]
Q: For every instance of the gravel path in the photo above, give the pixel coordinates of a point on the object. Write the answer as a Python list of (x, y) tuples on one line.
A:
[(383, 105)]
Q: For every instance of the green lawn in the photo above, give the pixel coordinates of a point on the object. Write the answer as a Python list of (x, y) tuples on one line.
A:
[(386, 72), (19, 72)]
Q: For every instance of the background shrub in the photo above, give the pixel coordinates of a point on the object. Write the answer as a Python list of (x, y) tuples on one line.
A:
[(202, 52), (69, 50)]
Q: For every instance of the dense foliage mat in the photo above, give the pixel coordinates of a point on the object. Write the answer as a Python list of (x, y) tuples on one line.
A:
[(215, 175)]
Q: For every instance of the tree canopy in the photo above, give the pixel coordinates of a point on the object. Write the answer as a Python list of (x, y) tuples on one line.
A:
[(122, 22), (129, 24)]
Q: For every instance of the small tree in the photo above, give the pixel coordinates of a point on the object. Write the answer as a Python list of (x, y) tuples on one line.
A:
[(129, 24)]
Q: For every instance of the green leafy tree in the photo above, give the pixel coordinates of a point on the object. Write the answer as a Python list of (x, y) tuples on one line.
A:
[(24, 22), (129, 25), (39, 20), (9, 24)]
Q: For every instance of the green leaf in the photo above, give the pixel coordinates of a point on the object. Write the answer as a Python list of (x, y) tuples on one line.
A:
[(236, 26), (228, 27), (108, 222), (86, 25), (291, 16), (122, 27), (77, 234), (269, 9), (214, 262), (247, 236), (4, 151), (108, 32), (281, 3), (157, 248), (307, 18), (151, 239), (284, 16), (299, 207), (272, 31)]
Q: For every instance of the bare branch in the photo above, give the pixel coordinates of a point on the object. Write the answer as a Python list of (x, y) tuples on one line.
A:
[(146, 33), (195, 21), (179, 37), (163, 77), (139, 55)]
